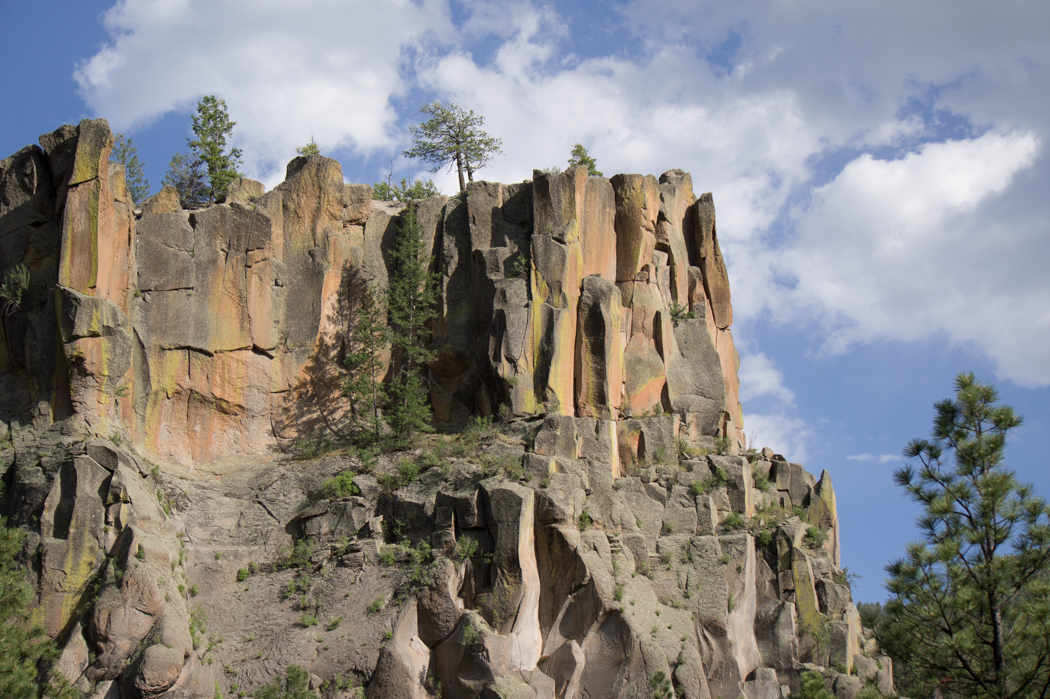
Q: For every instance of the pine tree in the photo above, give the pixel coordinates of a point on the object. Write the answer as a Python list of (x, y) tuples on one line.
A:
[(970, 606), (212, 126), (26, 654), (309, 149), (125, 153), (453, 138), (411, 297), (580, 156), (812, 686), (368, 337)]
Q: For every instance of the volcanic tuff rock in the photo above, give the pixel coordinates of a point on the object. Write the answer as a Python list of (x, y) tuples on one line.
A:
[(608, 531)]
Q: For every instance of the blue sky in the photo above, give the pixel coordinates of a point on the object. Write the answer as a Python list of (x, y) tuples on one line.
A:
[(879, 169)]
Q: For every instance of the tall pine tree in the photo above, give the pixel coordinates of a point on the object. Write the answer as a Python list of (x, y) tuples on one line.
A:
[(970, 606), (125, 153), (213, 127), (26, 653), (411, 298), (367, 340)]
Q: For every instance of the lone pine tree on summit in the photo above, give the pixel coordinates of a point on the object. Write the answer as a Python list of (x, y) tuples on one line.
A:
[(453, 138), (580, 156), (213, 128), (970, 606)]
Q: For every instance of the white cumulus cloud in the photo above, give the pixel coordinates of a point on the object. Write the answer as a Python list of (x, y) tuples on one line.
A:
[(288, 71)]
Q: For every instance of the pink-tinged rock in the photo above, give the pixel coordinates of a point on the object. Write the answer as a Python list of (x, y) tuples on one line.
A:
[(557, 265), (637, 208), (244, 191), (716, 279), (676, 196), (598, 232), (645, 379), (358, 204), (166, 201), (599, 355), (730, 362)]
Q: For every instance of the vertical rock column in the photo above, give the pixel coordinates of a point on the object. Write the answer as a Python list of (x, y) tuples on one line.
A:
[(637, 208), (557, 272), (719, 310), (94, 264)]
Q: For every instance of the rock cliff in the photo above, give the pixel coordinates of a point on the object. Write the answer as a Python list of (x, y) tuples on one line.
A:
[(608, 535)]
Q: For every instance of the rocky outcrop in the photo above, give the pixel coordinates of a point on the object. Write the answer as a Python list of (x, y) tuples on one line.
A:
[(216, 334), (607, 536)]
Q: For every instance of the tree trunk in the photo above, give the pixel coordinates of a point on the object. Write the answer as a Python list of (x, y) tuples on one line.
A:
[(459, 169), (999, 656)]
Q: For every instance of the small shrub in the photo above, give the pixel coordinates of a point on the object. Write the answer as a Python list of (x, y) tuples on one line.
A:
[(761, 480), (660, 684), (731, 603), (812, 687), (815, 537), (298, 556), (661, 455), (194, 590), (479, 429), (307, 620), (198, 626), (340, 485), (376, 606), (545, 483), (765, 537), (243, 574), (334, 623), (465, 548), (407, 470), (667, 528), (734, 522), (618, 592), (585, 520), (471, 633), (722, 445), (388, 556), (845, 577), (140, 553)]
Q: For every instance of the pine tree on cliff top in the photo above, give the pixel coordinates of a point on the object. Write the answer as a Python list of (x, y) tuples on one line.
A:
[(212, 126), (125, 153), (454, 138), (411, 299), (970, 606), (580, 156)]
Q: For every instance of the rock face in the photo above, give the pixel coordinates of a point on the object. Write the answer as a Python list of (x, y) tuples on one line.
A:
[(216, 334), (610, 537)]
